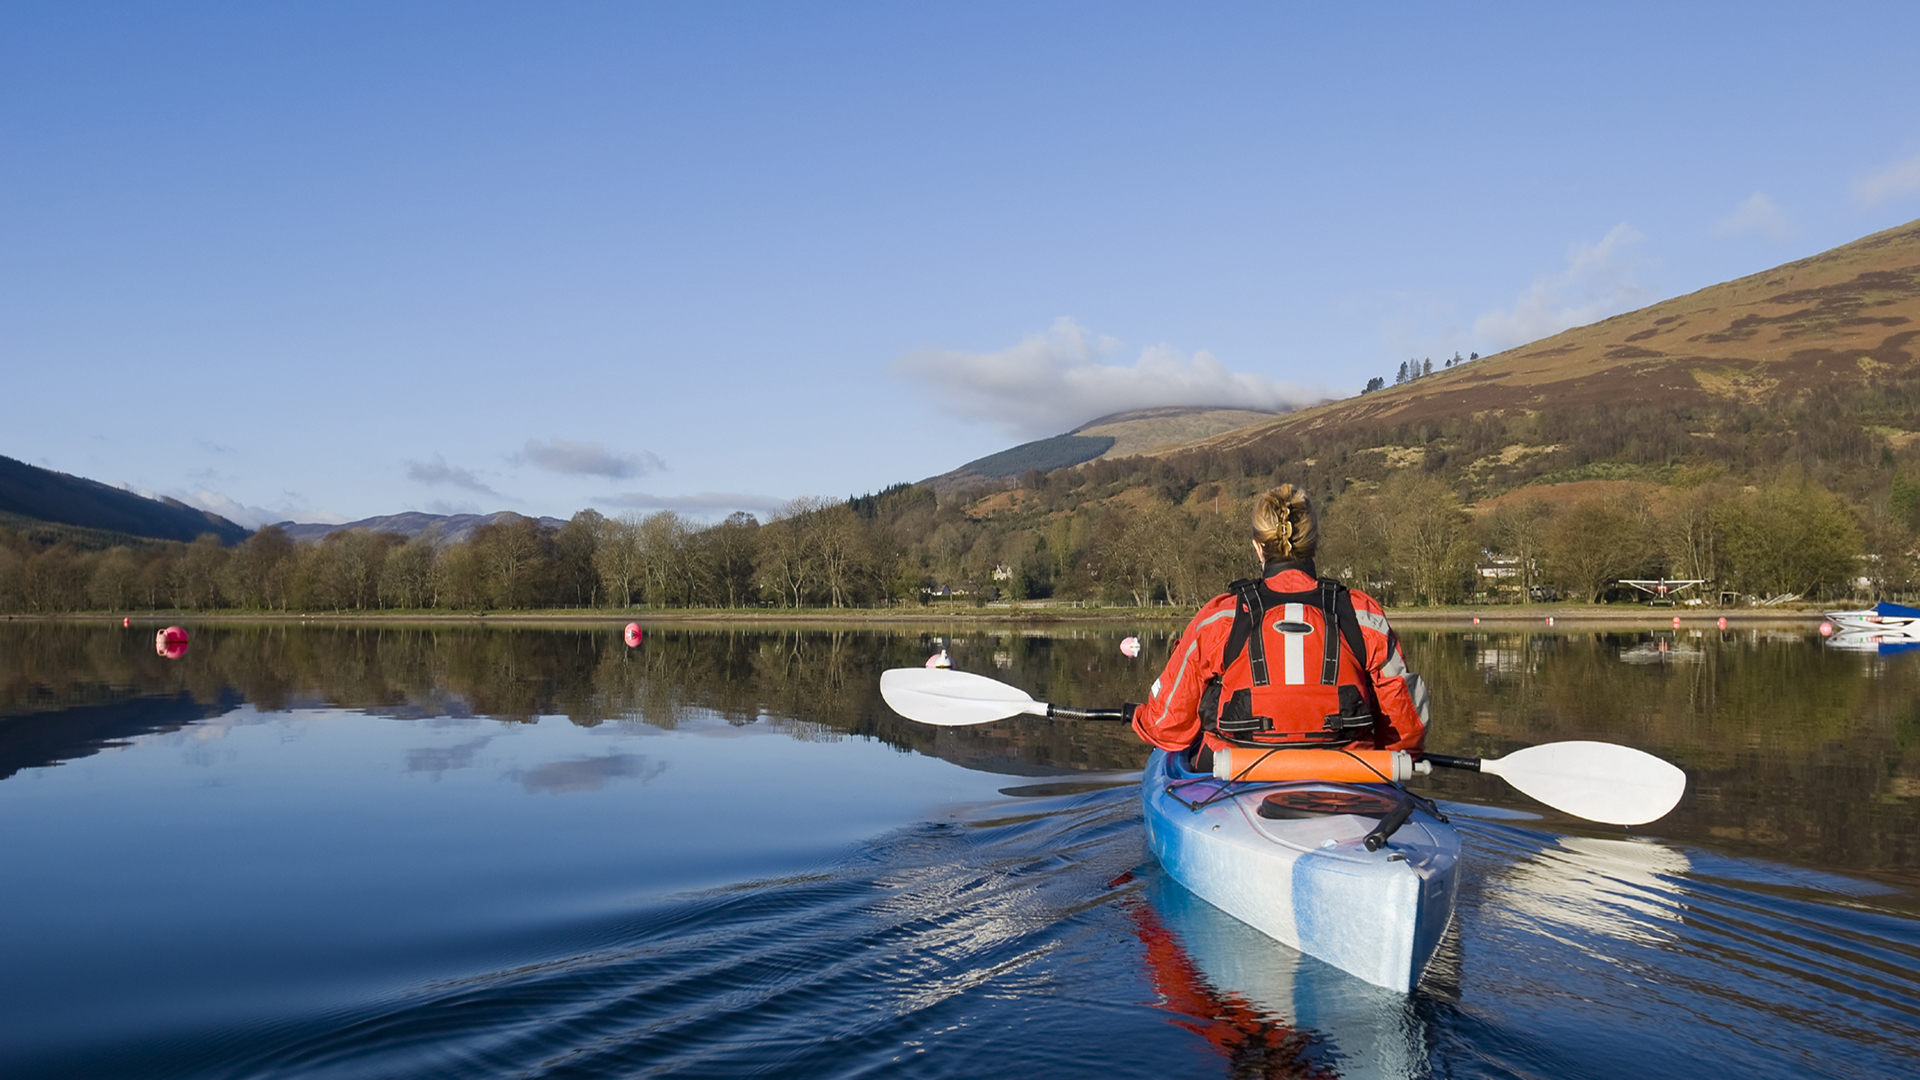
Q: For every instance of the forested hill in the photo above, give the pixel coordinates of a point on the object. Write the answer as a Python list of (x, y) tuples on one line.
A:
[(447, 528), (28, 491)]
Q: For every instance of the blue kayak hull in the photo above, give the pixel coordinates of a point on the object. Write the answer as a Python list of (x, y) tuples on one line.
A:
[(1308, 883)]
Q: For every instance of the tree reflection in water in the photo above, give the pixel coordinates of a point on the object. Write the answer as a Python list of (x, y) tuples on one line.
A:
[(1794, 751)]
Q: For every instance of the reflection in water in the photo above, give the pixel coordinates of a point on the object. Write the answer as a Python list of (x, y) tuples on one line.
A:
[(437, 761), (1273, 1012), (1628, 889), (1255, 1043), (1793, 750), (587, 774), (264, 884)]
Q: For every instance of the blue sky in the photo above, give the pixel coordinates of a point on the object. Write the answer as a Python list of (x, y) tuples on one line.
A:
[(328, 261)]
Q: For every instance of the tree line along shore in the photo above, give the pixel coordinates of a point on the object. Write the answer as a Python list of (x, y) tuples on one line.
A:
[(1090, 536)]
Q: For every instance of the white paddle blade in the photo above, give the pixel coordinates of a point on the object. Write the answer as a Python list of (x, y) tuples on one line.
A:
[(1594, 780), (953, 698)]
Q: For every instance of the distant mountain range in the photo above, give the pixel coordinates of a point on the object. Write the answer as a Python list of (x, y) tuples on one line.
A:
[(454, 528), (41, 495), (53, 506)]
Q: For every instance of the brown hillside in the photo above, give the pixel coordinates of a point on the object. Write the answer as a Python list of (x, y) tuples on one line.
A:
[(1842, 316)]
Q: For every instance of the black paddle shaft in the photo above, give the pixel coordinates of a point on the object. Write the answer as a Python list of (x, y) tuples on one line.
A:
[(1061, 712), (1448, 761)]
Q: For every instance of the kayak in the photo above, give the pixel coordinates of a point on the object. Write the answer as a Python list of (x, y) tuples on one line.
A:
[(1292, 859)]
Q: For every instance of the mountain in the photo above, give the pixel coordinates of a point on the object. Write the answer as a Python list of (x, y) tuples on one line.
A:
[(1811, 364), (1836, 325), (1119, 435), (42, 495), (454, 528)]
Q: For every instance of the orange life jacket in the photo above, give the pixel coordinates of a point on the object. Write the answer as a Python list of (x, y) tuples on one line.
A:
[(1291, 683)]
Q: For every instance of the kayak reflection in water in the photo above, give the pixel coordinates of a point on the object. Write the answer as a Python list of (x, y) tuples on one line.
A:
[(1253, 1043)]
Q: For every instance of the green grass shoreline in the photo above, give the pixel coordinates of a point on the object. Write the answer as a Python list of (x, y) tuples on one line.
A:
[(1567, 615)]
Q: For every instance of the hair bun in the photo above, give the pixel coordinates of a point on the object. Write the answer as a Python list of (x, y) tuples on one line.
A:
[(1283, 522)]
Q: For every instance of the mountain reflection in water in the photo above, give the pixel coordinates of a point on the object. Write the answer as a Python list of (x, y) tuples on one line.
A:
[(380, 850)]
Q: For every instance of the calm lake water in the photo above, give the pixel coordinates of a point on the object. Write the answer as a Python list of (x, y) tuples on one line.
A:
[(306, 851)]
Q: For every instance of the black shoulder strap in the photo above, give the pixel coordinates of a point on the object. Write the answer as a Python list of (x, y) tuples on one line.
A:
[(1249, 606), (1349, 624), (1330, 596)]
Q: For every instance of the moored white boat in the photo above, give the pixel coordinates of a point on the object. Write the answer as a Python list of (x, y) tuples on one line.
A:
[(1305, 877), (1880, 617)]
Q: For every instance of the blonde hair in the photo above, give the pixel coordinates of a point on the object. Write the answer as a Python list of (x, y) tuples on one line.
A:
[(1283, 522)]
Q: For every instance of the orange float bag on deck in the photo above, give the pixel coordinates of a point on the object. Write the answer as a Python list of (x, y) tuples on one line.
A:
[(1342, 766)]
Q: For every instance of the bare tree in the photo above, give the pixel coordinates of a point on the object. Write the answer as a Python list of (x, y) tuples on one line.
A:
[(114, 578), (787, 566), (730, 548), (620, 559), (1518, 530)]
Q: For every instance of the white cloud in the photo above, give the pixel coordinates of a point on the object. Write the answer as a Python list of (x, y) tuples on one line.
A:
[(244, 514), (438, 471), (587, 459), (1900, 179), (705, 504), (1057, 380), (1599, 281), (1758, 216)]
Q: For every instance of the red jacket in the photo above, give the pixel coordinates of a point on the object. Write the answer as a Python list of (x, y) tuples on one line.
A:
[(1170, 719)]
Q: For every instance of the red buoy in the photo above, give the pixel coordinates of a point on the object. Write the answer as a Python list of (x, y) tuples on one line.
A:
[(633, 635), (126, 621), (1723, 622), (171, 643)]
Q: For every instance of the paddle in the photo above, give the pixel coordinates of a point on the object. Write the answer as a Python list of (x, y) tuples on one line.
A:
[(956, 699), (1598, 781)]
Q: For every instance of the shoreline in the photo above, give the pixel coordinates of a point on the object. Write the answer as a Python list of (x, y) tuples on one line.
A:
[(1504, 617)]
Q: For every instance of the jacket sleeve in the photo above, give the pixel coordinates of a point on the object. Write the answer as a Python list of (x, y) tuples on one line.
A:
[(1402, 695), (1170, 719)]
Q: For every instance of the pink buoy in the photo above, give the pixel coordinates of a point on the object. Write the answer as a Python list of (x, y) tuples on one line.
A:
[(1130, 647), (171, 643), (1826, 629), (940, 660), (633, 635), (1723, 622), (1549, 620), (1476, 620), (1676, 620)]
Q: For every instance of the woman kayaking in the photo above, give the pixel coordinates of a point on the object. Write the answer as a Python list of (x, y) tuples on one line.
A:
[(1285, 661)]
